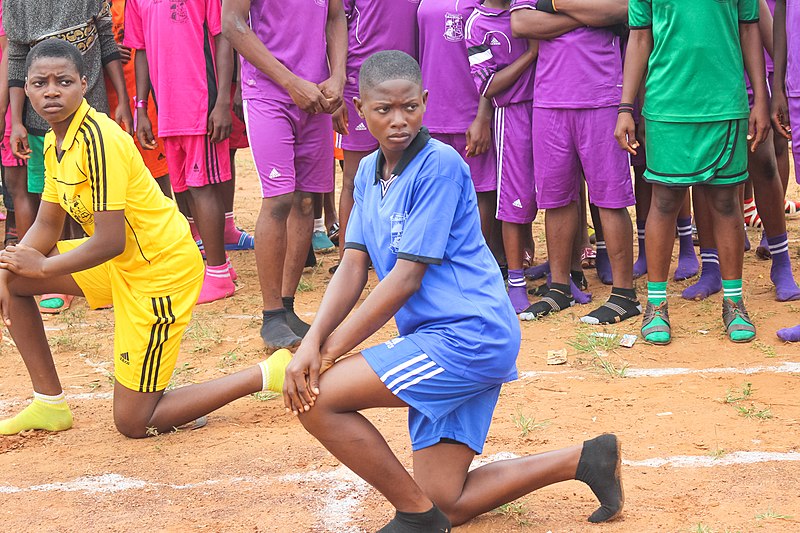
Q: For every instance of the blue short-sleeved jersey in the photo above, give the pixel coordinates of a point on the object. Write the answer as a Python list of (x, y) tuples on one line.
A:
[(461, 316)]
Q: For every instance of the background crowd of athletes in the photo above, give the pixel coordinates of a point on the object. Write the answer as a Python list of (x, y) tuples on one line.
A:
[(458, 118)]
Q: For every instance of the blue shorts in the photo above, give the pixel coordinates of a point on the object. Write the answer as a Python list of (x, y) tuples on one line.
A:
[(442, 405)]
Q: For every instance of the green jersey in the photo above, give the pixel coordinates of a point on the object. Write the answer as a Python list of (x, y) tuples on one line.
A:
[(696, 71)]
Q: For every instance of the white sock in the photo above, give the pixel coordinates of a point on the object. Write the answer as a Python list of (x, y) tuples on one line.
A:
[(319, 225), (58, 399)]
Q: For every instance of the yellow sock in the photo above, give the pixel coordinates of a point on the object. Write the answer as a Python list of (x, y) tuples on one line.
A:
[(50, 413), (273, 370)]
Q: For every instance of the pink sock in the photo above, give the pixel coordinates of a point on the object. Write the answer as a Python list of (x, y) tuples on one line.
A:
[(217, 284), (231, 232), (232, 272)]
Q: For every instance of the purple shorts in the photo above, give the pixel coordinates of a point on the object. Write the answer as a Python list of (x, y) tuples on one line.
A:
[(292, 150), (794, 118), (568, 140), (483, 168), (516, 196), (359, 139)]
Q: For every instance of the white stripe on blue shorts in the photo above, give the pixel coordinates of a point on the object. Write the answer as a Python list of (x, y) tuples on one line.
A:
[(411, 372)]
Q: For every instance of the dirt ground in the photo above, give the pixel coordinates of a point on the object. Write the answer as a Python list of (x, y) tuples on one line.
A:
[(709, 428)]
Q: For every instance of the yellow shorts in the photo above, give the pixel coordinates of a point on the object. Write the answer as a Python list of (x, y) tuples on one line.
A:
[(147, 330)]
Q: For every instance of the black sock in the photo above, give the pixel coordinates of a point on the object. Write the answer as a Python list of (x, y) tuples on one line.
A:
[(621, 305), (297, 325), (599, 467), (431, 521), (558, 298), (311, 259), (275, 331)]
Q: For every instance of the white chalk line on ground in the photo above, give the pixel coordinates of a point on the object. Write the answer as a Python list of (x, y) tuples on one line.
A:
[(343, 492), (782, 368)]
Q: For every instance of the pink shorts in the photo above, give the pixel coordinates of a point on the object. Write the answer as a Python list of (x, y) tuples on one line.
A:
[(566, 141), (8, 158), (194, 161), (292, 150), (483, 167), (359, 139)]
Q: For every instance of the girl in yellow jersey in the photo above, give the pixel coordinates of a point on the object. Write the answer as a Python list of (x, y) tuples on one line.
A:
[(139, 256)]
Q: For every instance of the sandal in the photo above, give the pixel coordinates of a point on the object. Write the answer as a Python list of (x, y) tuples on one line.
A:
[(53, 304), (333, 233), (651, 313), (736, 319), (791, 207), (588, 257)]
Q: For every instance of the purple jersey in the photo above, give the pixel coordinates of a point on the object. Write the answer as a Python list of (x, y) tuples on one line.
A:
[(367, 32), (295, 34), (767, 58), (581, 69), (793, 49), (452, 99), (491, 48)]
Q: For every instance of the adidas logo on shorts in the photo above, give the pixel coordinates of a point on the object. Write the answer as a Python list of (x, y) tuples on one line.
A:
[(361, 127), (495, 42), (517, 203), (274, 173), (125, 358)]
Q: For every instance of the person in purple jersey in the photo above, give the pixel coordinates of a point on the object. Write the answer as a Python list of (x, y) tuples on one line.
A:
[(457, 115), (367, 34), (293, 76), (786, 93), (577, 89), (502, 67)]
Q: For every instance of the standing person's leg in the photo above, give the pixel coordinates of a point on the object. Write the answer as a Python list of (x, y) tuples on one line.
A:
[(728, 228), (557, 176), (602, 261), (331, 216), (26, 204), (271, 134), (659, 240), (687, 259), (643, 192), (314, 176), (710, 281), (516, 196), (235, 238), (319, 238), (207, 168), (792, 334), (351, 160), (769, 195), (608, 180)]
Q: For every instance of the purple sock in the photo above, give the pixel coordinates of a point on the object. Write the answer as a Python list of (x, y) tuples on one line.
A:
[(762, 251), (578, 295), (789, 334), (640, 266), (687, 260), (538, 271), (710, 281), (746, 240), (602, 264), (781, 272), (517, 291)]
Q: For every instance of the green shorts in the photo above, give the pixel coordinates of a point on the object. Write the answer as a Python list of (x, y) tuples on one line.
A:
[(36, 164), (682, 154)]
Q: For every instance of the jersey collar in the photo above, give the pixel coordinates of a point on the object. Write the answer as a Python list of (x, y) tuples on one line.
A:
[(416, 146), (74, 126)]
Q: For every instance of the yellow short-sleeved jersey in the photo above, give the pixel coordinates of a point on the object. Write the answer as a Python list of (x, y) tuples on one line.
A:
[(100, 169)]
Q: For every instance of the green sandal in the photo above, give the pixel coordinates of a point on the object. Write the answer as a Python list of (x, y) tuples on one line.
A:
[(651, 313), (736, 320)]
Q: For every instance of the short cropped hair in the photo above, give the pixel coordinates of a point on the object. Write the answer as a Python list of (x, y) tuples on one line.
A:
[(388, 65), (56, 48)]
